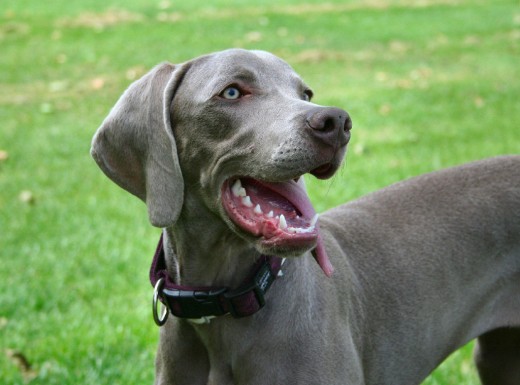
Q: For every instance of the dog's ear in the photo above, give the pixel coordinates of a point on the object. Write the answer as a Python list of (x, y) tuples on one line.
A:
[(135, 146)]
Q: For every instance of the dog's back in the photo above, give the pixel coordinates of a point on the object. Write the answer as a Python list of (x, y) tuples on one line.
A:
[(435, 263)]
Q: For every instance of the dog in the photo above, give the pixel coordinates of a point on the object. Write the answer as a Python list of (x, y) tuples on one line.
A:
[(216, 147)]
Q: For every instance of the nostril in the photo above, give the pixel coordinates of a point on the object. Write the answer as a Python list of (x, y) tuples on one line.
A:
[(329, 125), (348, 124), (325, 120)]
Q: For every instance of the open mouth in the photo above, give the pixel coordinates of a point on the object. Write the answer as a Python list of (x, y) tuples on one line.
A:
[(279, 214)]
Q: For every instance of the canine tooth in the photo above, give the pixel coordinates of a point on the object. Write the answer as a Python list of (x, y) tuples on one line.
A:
[(246, 201), (270, 214), (238, 190), (314, 220), (236, 187), (283, 223), (258, 210)]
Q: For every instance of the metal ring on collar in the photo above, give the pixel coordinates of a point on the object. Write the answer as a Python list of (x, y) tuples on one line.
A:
[(159, 320)]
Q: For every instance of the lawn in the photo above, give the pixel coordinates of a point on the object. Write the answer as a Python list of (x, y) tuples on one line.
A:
[(429, 84)]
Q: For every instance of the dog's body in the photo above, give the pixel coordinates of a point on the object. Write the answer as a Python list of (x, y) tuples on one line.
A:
[(421, 267)]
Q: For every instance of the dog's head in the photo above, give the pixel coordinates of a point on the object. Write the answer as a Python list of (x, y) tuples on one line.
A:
[(237, 129)]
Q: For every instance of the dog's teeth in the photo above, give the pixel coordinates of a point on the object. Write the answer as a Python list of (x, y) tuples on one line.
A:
[(283, 223), (237, 189), (258, 210), (237, 186), (246, 201), (314, 220), (270, 214), (299, 230)]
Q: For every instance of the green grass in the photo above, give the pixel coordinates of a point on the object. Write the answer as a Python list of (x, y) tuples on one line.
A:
[(428, 86)]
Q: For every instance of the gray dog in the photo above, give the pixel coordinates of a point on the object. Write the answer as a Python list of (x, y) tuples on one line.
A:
[(216, 147)]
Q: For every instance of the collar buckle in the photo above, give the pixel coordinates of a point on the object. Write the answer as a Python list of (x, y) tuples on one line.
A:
[(194, 303)]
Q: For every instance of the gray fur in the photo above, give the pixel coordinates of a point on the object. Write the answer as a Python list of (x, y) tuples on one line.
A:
[(421, 267)]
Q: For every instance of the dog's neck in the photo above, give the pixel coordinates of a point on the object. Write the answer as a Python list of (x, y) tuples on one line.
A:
[(202, 250)]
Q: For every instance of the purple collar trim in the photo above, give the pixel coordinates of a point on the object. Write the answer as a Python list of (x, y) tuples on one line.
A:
[(202, 302)]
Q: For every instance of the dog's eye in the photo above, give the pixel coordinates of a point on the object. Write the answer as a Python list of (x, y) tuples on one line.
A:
[(307, 95), (231, 93)]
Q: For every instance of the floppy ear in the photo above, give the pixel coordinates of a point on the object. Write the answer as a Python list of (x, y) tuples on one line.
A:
[(135, 146)]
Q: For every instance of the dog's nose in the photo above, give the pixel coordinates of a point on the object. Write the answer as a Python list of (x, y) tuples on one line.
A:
[(331, 125)]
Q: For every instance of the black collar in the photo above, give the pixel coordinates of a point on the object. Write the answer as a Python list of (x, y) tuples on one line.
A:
[(203, 303)]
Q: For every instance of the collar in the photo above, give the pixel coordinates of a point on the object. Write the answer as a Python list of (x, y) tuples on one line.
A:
[(199, 304)]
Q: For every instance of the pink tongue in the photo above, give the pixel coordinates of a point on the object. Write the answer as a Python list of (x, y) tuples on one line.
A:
[(295, 193), (320, 255)]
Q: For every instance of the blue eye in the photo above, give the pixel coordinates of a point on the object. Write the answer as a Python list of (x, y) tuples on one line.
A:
[(231, 93)]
